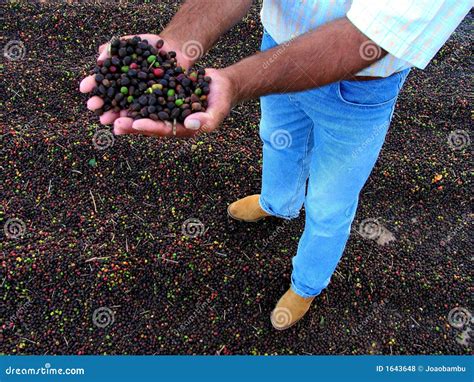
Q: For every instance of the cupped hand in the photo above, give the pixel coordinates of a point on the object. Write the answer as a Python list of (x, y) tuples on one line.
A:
[(95, 102), (219, 99)]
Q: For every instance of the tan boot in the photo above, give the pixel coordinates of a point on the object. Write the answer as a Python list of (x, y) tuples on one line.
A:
[(247, 209), (289, 310)]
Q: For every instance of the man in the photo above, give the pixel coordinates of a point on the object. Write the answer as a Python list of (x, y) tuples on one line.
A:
[(328, 94)]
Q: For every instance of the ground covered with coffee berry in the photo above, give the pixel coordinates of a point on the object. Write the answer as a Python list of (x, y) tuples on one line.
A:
[(104, 267)]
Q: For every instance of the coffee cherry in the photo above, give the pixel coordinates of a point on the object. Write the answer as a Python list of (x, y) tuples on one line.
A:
[(164, 116)]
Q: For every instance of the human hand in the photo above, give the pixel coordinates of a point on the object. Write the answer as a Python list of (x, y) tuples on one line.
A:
[(88, 84), (220, 100)]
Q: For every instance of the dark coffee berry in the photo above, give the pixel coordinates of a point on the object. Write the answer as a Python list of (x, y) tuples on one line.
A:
[(152, 100), (122, 52), (135, 106), (185, 113), (143, 100), (175, 113), (164, 116)]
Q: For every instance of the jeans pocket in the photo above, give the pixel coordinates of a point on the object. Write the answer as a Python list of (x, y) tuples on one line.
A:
[(371, 93)]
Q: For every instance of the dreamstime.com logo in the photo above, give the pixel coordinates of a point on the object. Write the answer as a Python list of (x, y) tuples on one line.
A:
[(374, 230), (458, 140), (193, 228), (103, 139), (14, 228), (461, 319), (45, 370), (281, 139), (370, 51), (14, 50), (103, 317), (192, 50)]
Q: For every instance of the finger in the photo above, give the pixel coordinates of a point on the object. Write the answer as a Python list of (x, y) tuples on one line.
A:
[(123, 125), (95, 103), (161, 129), (103, 46), (108, 117), (104, 54), (87, 84)]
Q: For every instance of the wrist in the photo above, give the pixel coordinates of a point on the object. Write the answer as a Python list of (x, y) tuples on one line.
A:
[(186, 56), (235, 90)]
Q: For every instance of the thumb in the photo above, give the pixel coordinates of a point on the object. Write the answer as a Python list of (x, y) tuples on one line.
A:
[(204, 122)]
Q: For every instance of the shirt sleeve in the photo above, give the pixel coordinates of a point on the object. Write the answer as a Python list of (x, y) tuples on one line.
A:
[(411, 30)]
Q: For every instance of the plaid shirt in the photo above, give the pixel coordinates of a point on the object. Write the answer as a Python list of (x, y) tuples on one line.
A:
[(411, 31)]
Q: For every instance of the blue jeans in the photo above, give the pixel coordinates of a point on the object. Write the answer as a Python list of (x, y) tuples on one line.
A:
[(319, 147)]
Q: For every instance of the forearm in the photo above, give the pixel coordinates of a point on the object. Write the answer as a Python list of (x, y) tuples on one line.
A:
[(328, 54), (204, 21)]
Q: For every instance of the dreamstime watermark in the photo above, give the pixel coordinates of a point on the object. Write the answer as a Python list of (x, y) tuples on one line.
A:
[(19, 313), (103, 317), (14, 50), (199, 311), (374, 230), (277, 232), (281, 317), (103, 139), (466, 219), (192, 50), (378, 308), (281, 139), (370, 229), (277, 52), (193, 227), (14, 228), (458, 140), (461, 319), (370, 51), (46, 370), (380, 129)]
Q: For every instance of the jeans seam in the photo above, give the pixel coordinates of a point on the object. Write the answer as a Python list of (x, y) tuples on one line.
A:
[(300, 176)]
